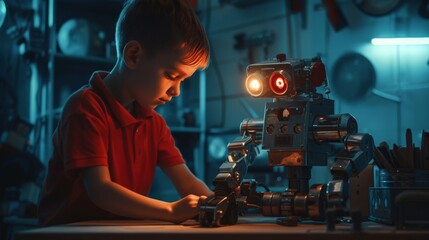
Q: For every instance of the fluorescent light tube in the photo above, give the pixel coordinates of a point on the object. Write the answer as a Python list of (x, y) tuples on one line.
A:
[(400, 41)]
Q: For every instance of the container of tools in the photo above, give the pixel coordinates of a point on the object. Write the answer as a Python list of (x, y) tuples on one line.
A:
[(393, 183), (400, 194)]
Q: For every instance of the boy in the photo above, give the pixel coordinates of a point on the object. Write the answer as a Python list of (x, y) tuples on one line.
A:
[(110, 140)]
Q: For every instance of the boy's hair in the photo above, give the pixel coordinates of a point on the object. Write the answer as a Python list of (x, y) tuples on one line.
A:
[(163, 24)]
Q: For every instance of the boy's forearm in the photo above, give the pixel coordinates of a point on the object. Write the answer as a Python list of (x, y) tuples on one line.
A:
[(197, 187), (186, 182), (124, 202), (119, 200), (202, 189)]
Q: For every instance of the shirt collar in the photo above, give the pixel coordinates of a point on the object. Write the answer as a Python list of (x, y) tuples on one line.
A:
[(120, 113)]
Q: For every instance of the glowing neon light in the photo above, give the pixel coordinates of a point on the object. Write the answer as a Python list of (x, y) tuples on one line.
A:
[(400, 41)]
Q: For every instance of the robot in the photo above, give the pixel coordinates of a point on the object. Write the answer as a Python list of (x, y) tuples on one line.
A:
[(299, 130)]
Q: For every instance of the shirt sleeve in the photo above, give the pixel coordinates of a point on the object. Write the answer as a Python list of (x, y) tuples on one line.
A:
[(85, 139), (168, 154)]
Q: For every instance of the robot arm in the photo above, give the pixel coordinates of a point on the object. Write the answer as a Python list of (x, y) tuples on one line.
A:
[(221, 209), (241, 154), (358, 151)]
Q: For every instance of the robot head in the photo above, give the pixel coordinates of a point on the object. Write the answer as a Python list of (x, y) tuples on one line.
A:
[(285, 78)]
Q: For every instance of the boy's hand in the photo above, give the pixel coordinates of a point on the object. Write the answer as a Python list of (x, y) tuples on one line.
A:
[(185, 208)]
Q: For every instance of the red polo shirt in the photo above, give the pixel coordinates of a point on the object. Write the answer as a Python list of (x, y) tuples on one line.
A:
[(96, 130)]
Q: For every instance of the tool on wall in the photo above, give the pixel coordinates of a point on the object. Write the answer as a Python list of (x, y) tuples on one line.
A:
[(335, 15), (250, 42)]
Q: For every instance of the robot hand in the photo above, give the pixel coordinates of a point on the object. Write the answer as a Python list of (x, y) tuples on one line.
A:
[(221, 208)]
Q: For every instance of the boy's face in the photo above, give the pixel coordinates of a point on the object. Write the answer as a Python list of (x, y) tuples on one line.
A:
[(156, 79)]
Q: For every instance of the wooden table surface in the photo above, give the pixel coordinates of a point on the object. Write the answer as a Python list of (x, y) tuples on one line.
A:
[(248, 228)]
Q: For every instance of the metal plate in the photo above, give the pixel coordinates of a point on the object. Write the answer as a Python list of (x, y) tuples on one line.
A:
[(353, 77)]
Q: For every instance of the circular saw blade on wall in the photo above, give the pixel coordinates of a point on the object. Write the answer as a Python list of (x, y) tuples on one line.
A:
[(353, 77), (377, 8)]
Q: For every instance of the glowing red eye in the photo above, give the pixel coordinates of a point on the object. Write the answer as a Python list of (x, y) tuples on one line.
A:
[(278, 83)]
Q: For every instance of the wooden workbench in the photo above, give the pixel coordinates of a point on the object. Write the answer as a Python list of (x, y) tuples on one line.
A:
[(248, 228)]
